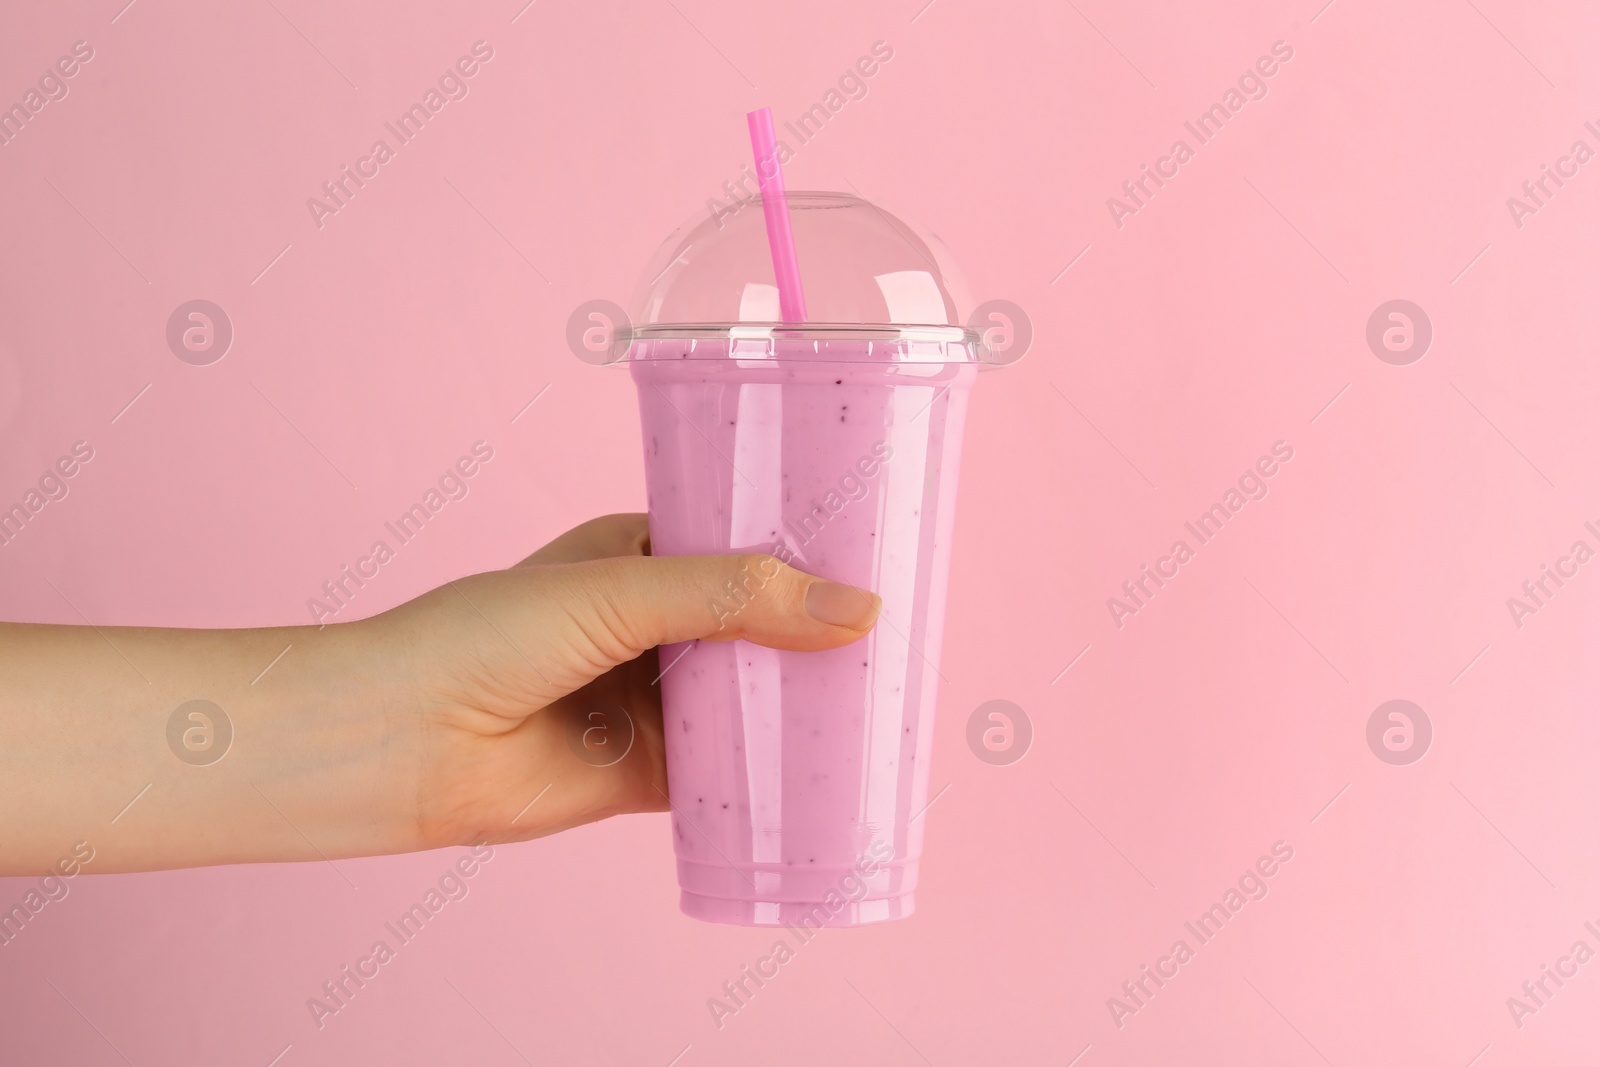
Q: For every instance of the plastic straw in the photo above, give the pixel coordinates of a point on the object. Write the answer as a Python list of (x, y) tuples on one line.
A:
[(780, 238)]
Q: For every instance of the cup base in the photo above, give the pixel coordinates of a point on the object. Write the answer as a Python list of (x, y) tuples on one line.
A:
[(808, 915)]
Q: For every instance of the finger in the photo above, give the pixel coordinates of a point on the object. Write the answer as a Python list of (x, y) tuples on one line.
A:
[(624, 606), (602, 538)]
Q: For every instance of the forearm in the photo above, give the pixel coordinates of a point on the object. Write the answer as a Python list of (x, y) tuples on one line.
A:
[(322, 760)]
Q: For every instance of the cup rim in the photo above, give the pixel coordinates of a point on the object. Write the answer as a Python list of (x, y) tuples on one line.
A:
[(903, 342)]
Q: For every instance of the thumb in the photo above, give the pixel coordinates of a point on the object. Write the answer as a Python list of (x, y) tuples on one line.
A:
[(628, 605)]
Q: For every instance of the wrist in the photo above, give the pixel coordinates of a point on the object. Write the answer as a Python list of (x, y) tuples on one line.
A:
[(342, 744), (321, 755)]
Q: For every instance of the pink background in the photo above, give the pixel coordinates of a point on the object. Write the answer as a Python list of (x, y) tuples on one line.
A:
[(1222, 317)]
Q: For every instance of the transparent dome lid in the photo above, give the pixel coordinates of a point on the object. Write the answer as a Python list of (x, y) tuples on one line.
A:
[(866, 275)]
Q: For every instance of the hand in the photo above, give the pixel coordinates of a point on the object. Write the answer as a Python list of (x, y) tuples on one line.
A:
[(514, 667)]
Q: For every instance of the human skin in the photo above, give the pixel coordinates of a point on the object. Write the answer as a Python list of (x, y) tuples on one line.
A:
[(435, 723)]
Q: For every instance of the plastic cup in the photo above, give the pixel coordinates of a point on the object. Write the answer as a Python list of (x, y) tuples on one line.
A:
[(798, 779)]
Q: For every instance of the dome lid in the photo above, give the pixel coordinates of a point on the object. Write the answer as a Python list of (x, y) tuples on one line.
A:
[(864, 272)]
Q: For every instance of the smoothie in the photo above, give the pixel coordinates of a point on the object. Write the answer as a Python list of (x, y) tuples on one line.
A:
[(796, 776)]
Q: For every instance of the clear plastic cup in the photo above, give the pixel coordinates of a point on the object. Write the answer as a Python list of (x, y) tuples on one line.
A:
[(797, 778)]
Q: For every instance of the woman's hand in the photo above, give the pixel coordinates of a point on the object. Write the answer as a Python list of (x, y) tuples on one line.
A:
[(540, 708), (498, 707)]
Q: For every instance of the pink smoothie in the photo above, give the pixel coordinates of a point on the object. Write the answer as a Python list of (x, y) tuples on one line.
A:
[(795, 776)]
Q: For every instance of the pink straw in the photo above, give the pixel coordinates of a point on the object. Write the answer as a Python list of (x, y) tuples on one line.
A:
[(769, 176)]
